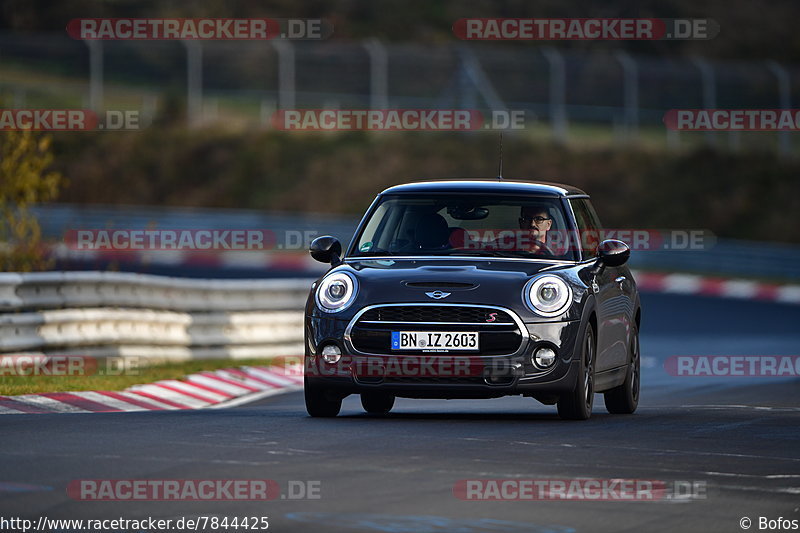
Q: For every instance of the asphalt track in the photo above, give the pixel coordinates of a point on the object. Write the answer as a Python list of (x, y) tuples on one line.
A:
[(740, 437)]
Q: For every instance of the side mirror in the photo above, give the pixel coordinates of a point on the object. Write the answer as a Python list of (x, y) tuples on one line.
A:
[(326, 249), (613, 253)]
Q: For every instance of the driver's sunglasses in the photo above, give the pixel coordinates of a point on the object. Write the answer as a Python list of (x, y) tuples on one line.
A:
[(537, 220)]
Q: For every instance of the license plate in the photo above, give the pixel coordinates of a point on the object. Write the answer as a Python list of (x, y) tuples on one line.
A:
[(435, 340)]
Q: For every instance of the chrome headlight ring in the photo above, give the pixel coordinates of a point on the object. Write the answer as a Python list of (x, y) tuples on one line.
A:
[(547, 295), (336, 292)]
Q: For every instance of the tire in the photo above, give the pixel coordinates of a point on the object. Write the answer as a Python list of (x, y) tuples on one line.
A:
[(377, 403), (319, 404), (577, 405), (624, 399)]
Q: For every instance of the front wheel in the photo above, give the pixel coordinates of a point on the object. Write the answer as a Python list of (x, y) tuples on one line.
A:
[(319, 403), (577, 405), (624, 399), (377, 403)]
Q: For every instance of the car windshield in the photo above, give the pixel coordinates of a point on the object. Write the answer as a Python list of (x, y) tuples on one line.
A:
[(466, 225)]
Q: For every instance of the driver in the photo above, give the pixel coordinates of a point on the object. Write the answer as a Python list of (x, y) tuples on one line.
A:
[(536, 220)]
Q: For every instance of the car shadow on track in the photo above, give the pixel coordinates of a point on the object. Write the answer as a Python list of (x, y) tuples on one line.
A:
[(469, 417)]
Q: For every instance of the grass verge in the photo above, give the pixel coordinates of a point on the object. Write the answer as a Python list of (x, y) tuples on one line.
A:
[(11, 385)]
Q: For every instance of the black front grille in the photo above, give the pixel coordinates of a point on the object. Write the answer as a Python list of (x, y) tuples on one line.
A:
[(436, 313), (373, 331), (435, 380)]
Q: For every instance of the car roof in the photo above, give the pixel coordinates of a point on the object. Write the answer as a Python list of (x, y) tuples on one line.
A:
[(483, 185)]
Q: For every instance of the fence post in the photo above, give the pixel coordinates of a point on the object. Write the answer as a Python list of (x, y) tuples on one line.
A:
[(149, 108), (286, 60), (734, 140), (194, 82), (266, 110), (475, 75), (20, 98), (673, 139), (558, 88), (709, 91), (95, 74), (785, 96), (630, 93), (378, 74), (467, 92)]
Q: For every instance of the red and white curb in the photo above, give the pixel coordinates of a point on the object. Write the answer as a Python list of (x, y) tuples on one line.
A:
[(720, 287), (217, 389)]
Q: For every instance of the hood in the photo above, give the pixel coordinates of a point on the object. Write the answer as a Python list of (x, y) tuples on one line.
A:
[(489, 282)]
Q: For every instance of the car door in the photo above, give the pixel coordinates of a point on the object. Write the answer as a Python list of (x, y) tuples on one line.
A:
[(612, 296)]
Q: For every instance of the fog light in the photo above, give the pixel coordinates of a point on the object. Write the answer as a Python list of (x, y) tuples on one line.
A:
[(544, 357), (331, 353)]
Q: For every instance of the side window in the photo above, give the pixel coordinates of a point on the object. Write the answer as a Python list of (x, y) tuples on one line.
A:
[(588, 226), (592, 214)]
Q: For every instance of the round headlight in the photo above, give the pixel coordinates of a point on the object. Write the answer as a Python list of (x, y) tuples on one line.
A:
[(548, 295), (336, 292)]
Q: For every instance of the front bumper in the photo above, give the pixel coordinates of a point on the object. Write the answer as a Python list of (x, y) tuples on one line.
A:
[(444, 375)]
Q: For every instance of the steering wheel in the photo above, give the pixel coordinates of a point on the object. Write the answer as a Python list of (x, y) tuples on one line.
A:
[(544, 248)]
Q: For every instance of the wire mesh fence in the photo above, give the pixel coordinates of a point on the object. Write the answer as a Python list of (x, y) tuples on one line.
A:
[(245, 81)]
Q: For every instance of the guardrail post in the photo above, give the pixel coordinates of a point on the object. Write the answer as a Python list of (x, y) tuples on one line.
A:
[(558, 90)]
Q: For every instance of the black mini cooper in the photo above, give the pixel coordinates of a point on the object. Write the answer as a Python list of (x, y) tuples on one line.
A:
[(474, 289)]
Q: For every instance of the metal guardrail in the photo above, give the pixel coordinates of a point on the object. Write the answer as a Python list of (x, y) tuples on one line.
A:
[(105, 314), (56, 219), (727, 258), (53, 290), (114, 314)]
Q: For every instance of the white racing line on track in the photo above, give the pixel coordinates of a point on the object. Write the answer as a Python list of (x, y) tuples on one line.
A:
[(754, 407), (647, 451)]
